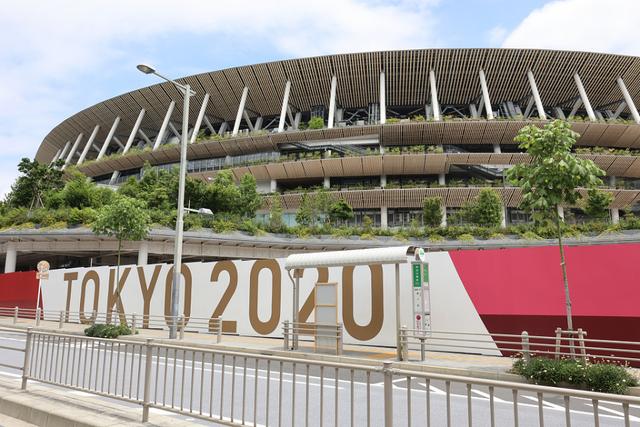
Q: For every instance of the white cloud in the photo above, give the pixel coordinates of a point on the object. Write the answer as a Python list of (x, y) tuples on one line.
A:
[(47, 47), (496, 35), (590, 25)]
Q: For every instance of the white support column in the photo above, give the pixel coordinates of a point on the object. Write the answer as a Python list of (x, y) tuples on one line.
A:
[(536, 95), (118, 142), (127, 146), (485, 95), (145, 137), (503, 223), (285, 104), (163, 127), (441, 179), (615, 215), (245, 114), (434, 96), (443, 222), (561, 212), (10, 258), (88, 145), (207, 122), (496, 148), (332, 101), (107, 140), (243, 100), (326, 183), (612, 181), (174, 131), (383, 181), (55, 158), (273, 186), (64, 150), (258, 124), (143, 253), (384, 218), (628, 100), (584, 98), (73, 150), (196, 127), (223, 128), (383, 99), (296, 120), (619, 110)]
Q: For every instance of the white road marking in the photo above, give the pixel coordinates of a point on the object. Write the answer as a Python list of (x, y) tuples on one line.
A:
[(612, 411), (487, 396)]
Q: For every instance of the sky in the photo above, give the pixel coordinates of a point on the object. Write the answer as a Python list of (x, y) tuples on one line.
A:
[(58, 57)]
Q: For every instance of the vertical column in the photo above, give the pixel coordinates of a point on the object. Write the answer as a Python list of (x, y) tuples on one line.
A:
[(503, 223), (496, 148), (243, 100), (628, 100), (485, 95), (285, 103), (143, 253), (383, 99), (163, 127), (443, 222), (441, 179), (127, 146), (561, 212), (196, 127), (384, 220), (612, 181), (273, 186), (615, 215), (584, 98), (383, 181), (332, 102), (434, 96), (10, 258), (107, 140), (73, 150), (87, 146), (326, 183), (536, 95), (64, 150), (55, 158)]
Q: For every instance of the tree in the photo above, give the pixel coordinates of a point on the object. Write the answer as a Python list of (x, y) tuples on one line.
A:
[(250, 200), (125, 219), (432, 211), (597, 204), (486, 210), (275, 214), (340, 210), (305, 215), (552, 178), (223, 194), (322, 202), (36, 180), (77, 191)]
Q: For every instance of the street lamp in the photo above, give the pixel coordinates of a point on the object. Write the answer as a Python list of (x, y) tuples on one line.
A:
[(177, 252)]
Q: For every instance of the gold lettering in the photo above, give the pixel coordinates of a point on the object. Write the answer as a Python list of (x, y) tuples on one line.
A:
[(113, 298), (186, 273), (371, 329), (91, 275), (265, 328), (147, 291), (69, 278), (310, 302), (230, 326)]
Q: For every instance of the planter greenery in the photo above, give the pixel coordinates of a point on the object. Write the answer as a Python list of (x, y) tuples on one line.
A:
[(599, 377), (107, 331)]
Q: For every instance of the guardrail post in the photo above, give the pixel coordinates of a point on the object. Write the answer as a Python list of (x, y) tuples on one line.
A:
[(181, 326), (147, 380), (16, 312), (339, 339), (94, 317), (388, 394), (285, 333), (27, 356), (526, 354), (583, 351), (219, 331), (404, 344), (558, 341), (38, 317), (133, 324), (423, 353), (61, 320)]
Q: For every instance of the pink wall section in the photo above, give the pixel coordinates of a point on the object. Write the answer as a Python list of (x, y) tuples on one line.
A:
[(604, 280)]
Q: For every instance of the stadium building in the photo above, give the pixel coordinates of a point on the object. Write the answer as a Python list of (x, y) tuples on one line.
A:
[(384, 130)]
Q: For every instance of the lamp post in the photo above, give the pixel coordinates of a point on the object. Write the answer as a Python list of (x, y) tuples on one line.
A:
[(177, 252)]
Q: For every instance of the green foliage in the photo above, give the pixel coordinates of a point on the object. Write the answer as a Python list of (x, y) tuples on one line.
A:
[(34, 182), (340, 210), (552, 177), (276, 221), (125, 219), (432, 211), (107, 331), (306, 213), (84, 216), (316, 123), (323, 202), (486, 210), (250, 200), (223, 195), (597, 204), (367, 224), (599, 377), (466, 237)]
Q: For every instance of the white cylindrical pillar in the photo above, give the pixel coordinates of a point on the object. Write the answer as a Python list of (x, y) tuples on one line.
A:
[(485, 95), (143, 253), (536, 95), (243, 100), (332, 102), (285, 104), (326, 183), (87, 146), (383, 99), (109, 137), (163, 127), (561, 212), (503, 223), (73, 150), (10, 258), (628, 100), (273, 186), (384, 221), (443, 222), (383, 181), (441, 179), (615, 215), (584, 98), (496, 148), (434, 96)]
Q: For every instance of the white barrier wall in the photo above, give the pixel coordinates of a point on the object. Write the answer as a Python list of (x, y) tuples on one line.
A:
[(255, 297)]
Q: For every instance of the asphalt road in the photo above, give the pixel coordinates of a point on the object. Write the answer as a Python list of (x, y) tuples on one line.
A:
[(287, 396)]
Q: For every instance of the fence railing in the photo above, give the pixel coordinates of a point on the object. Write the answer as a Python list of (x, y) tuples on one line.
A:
[(574, 344), (237, 389), (326, 337)]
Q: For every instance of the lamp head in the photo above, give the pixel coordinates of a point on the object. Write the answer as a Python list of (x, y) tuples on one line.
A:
[(147, 69)]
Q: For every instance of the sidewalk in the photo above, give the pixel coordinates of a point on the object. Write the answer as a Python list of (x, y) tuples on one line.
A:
[(490, 367)]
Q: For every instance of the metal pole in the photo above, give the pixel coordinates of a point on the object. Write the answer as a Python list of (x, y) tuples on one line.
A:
[(27, 356), (39, 291), (147, 381), (388, 394), (398, 339), (526, 354), (296, 310), (177, 253), (16, 312)]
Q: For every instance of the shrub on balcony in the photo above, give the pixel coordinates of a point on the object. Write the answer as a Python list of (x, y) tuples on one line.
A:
[(315, 123)]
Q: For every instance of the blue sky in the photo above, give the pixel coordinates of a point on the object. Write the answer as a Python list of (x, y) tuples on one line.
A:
[(60, 56)]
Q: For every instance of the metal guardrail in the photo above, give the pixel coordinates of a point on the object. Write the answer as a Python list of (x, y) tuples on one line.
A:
[(574, 344), (326, 336), (233, 388), (134, 321)]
